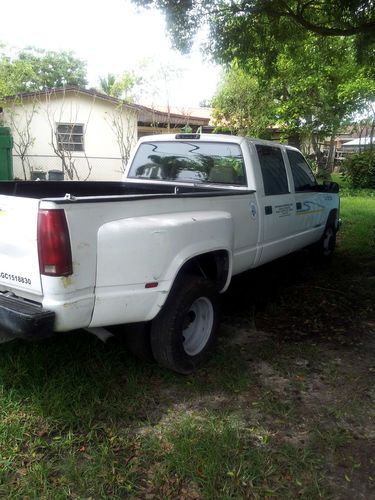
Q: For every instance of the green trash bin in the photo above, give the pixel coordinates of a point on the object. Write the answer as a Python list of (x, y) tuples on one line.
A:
[(6, 158)]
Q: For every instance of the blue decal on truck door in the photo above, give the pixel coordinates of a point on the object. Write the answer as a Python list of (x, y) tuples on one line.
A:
[(310, 207)]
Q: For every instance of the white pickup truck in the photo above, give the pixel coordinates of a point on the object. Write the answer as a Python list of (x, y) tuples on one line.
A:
[(159, 247)]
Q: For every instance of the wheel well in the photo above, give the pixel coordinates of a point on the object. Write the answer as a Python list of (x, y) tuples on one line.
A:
[(332, 216), (211, 265)]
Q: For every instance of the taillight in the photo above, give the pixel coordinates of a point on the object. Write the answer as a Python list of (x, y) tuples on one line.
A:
[(55, 255)]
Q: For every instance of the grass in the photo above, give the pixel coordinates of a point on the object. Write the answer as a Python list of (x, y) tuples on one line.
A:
[(219, 453), (285, 399), (346, 190)]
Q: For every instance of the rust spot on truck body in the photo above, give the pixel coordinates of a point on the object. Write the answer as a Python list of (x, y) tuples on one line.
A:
[(66, 281)]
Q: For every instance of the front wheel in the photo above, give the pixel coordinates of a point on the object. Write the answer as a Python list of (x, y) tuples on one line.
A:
[(325, 247), (329, 241), (184, 332)]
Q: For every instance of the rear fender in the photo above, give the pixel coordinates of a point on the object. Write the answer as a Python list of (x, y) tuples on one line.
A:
[(135, 252), (144, 249)]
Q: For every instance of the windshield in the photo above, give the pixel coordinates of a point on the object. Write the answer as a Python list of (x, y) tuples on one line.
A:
[(186, 161)]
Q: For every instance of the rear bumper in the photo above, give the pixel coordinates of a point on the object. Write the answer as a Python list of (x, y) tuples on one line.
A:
[(22, 319)]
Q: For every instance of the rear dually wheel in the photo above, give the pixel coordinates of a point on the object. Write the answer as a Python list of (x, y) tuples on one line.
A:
[(184, 332)]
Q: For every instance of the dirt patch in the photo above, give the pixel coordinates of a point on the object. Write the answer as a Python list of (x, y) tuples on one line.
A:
[(308, 336), (352, 470), (270, 378)]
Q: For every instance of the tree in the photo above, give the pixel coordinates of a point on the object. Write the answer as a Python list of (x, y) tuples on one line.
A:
[(242, 106), (35, 69), (19, 118), (156, 87), (54, 69), (308, 95), (106, 83), (123, 87), (122, 122), (240, 27), (290, 60), (150, 80), (13, 75)]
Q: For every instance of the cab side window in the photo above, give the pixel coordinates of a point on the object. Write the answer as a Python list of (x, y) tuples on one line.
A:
[(273, 170), (302, 175)]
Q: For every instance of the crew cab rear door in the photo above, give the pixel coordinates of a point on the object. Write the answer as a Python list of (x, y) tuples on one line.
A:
[(277, 203), (19, 263)]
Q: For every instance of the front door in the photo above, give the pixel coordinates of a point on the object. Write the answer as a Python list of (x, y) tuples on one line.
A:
[(309, 218)]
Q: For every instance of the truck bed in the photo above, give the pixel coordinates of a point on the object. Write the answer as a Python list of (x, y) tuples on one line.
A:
[(80, 189), (123, 237)]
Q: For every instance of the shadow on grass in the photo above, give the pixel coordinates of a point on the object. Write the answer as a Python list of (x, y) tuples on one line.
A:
[(298, 297), (78, 382)]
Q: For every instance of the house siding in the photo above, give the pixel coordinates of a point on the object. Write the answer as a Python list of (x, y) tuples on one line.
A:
[(101, 158)]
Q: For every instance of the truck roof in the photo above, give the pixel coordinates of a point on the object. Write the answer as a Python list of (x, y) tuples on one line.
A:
[(209, 138)]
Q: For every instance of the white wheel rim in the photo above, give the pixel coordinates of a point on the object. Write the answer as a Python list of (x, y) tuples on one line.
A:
[(200, 320)]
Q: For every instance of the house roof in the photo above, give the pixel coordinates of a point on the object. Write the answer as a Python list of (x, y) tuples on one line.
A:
[(153, 116), (146, 114), (360, 141), (197, 112), (65, 90)]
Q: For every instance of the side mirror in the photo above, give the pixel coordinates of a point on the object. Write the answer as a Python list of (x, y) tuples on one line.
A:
[(331, 187)]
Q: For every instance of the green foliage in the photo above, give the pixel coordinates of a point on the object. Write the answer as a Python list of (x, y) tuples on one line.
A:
[(13, 75), (242, 106), (249, 27), (347, 190), (312, 89), (54, 69), (123, 86), (36, 69), (359, 168), (106, 83)]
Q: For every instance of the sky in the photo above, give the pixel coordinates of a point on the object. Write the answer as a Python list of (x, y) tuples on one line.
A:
[(111, 36)]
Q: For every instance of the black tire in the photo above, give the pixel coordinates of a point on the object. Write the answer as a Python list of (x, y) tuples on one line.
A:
[(192, 306), (136, 338), (325, 247)]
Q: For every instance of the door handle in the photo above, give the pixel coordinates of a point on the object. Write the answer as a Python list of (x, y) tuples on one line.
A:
[(298, 205), (268, 210)]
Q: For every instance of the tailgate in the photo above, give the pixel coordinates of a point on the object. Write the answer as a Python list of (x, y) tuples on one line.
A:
[(19, 263)]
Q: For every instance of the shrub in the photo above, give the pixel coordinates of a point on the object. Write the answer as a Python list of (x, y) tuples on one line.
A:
[(359, 168)]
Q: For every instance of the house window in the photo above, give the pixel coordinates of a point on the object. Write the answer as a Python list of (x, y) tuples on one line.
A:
[(273, 170), (70, 136)]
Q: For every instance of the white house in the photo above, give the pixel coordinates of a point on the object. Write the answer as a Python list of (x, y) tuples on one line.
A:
[(80, 134)]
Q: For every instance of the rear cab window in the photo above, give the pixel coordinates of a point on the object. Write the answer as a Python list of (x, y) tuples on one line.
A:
[(189, 161), (273, 170)]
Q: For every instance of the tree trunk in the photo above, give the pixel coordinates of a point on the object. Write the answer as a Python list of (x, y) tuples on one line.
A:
[(318, 156), (372, 133), (331, 156)]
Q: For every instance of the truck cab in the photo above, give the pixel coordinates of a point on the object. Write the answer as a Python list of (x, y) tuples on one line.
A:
[(288, 202)]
